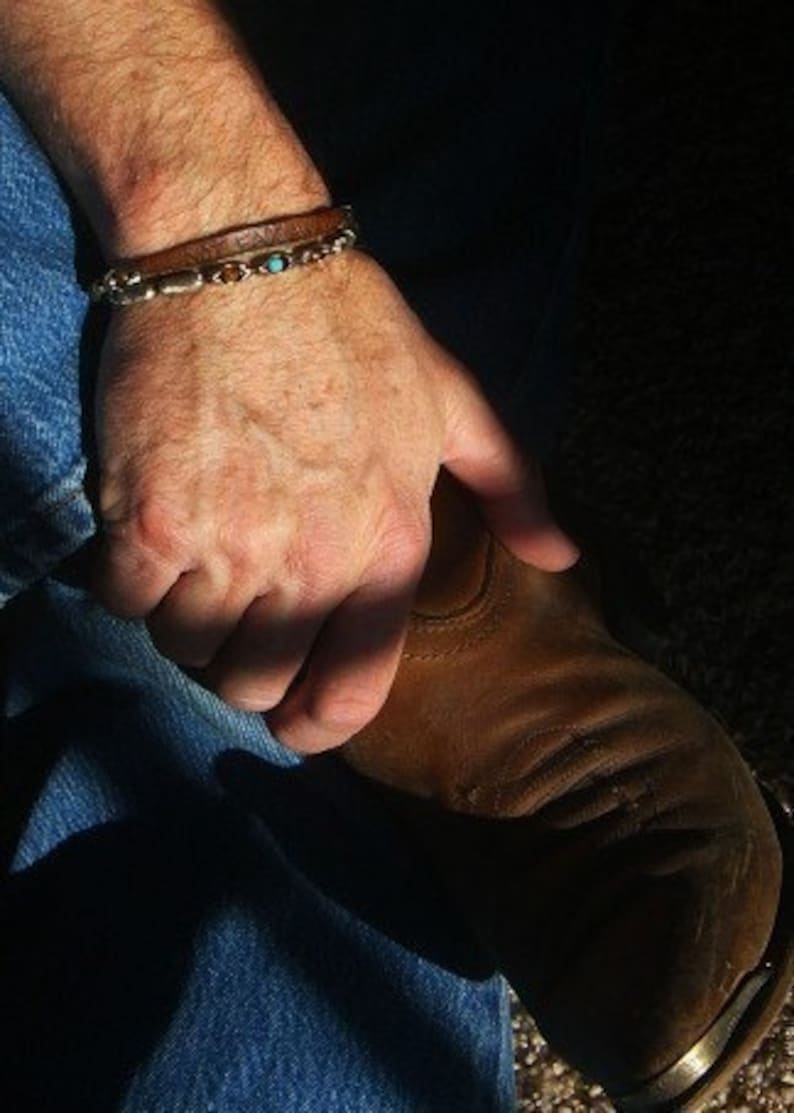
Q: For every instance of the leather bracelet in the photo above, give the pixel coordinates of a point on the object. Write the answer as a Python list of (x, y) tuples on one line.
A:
[(269, 247), (242, 239)]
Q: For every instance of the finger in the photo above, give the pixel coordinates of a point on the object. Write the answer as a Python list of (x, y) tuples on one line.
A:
[(130, 581), (351, 669), (509, 486), (265, 652), (196, 616)]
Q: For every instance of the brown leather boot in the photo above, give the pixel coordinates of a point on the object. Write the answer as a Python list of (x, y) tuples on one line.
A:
[(597, 828)]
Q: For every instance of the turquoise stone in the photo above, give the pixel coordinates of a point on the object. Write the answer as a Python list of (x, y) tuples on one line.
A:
[(276, 264)]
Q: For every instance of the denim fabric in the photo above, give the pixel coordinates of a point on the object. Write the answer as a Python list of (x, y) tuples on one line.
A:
[(44, 514), (196, 920)]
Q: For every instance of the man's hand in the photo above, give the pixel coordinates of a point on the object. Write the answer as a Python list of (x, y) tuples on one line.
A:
[(267, 455), (267, 451)]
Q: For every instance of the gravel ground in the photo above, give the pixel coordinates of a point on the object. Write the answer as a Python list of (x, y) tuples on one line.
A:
[(681, 437)]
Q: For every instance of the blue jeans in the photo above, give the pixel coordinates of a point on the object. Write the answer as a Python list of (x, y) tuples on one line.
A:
[(192, 918)]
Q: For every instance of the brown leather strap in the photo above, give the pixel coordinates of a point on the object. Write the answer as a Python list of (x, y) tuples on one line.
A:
[(241, 240)]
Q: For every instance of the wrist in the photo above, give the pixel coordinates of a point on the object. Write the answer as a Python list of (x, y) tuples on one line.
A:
[(159, 208), (220, 160)]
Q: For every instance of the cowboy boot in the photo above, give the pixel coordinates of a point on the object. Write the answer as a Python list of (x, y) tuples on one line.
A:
[(597, 828)]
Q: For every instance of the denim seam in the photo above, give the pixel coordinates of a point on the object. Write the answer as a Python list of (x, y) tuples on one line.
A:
[(24, 524), (53, 527)]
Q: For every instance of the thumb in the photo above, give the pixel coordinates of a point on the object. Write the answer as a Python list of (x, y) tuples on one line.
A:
[(508, 485)]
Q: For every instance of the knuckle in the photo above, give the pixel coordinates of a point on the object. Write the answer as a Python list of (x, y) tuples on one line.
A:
[(246, 549), (246, 696), (318, 565), (404, 544), (242, 564), (344, 709), (153, 530)]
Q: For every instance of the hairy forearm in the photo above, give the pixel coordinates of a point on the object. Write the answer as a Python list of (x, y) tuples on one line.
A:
[(154, 115)]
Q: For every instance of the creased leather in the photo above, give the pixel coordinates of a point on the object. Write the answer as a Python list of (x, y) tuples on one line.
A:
[(239, 241), (596, 826)]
